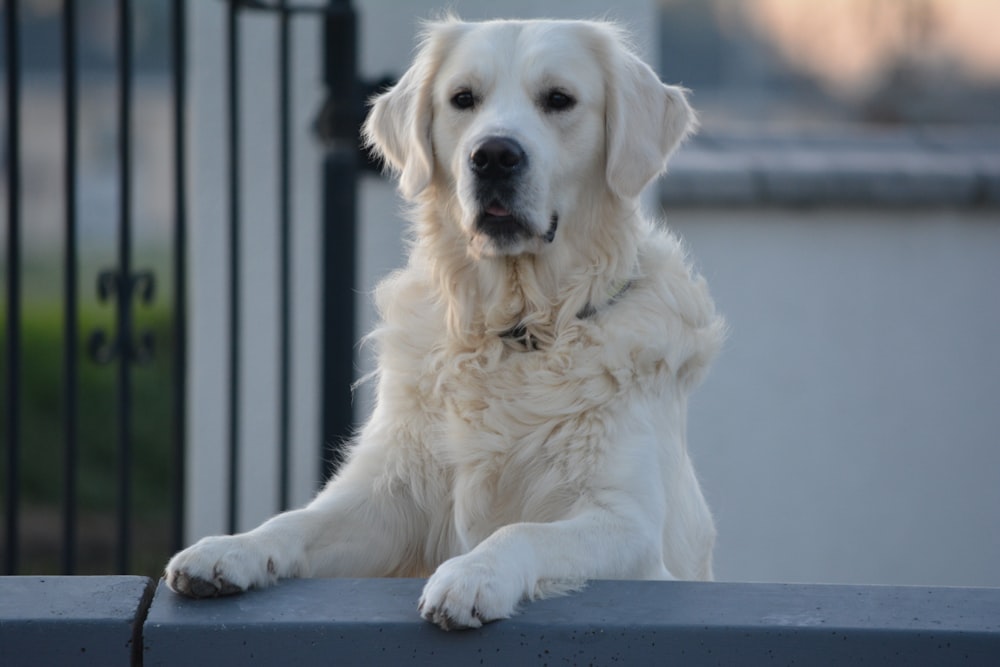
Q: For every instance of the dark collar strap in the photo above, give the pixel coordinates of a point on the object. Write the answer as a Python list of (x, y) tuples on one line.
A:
[(520, 333)]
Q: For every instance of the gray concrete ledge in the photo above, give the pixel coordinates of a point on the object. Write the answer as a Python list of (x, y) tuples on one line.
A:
[(934, 166), (99, 620), (374, 622), (72, 620)]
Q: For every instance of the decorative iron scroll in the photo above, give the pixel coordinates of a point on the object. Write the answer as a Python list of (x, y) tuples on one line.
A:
[(104, 348)]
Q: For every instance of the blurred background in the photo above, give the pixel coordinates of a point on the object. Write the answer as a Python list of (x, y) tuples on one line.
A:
[(790, 64), (842, 198)]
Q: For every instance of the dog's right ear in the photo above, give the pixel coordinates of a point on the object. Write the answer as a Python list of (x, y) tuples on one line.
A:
[(398, 127)]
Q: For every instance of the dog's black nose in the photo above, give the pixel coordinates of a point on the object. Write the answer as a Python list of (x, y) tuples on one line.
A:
[(497, 158)]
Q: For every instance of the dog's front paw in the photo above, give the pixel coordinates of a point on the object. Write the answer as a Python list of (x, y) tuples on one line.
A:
[(222, 565), (467, 591)]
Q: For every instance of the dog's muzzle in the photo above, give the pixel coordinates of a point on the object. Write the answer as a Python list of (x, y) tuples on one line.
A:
[(498, 164)]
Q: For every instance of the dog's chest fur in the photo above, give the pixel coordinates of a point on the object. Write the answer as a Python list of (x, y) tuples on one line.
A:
[(523, 432)]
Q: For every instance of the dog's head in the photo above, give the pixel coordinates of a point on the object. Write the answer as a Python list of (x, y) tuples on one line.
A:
[(523, 122)]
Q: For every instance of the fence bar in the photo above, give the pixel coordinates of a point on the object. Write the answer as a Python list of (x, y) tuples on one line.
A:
[(13, 337), (179, 82), (233, 93), (124, 301), (284, 222), (70, 278), (340, 170)]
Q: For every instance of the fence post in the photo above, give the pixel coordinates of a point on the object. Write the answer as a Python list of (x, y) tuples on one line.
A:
[(340, 171), (12, 351)]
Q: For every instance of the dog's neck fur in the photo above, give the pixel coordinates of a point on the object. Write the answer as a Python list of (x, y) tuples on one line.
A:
[(539, 295)]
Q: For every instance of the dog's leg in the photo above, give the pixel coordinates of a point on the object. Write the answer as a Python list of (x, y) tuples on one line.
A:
[(227, 564), (518, 561), (351, 529)]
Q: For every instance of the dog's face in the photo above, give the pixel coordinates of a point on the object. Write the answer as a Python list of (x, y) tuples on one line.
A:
[(523, 122), (518, 131)]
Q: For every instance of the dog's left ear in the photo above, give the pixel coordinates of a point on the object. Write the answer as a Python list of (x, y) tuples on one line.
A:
[(645, 121), (398, 127)]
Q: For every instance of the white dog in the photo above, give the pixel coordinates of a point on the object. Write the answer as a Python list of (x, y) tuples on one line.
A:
[(535, 354)]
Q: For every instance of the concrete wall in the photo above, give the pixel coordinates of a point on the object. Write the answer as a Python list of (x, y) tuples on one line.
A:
[(111, 621)]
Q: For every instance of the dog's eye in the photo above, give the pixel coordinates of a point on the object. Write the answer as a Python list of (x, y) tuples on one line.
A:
[(463, 100), (557, 100)]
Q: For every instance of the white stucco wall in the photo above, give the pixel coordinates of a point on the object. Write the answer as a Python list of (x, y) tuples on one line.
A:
[(850, 431)]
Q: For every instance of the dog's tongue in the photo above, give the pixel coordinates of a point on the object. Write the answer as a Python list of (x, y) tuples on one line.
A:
[(497, 210)]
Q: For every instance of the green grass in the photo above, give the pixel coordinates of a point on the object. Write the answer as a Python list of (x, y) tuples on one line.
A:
[(42, 442)]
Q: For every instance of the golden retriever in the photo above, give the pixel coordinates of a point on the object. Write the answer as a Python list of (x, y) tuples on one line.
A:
[(534, 355)]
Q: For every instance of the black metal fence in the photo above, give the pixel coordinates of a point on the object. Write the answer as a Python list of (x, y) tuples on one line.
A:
[(149, 362)]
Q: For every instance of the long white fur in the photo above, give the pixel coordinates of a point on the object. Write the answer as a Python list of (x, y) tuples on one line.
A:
[(506, 472)]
